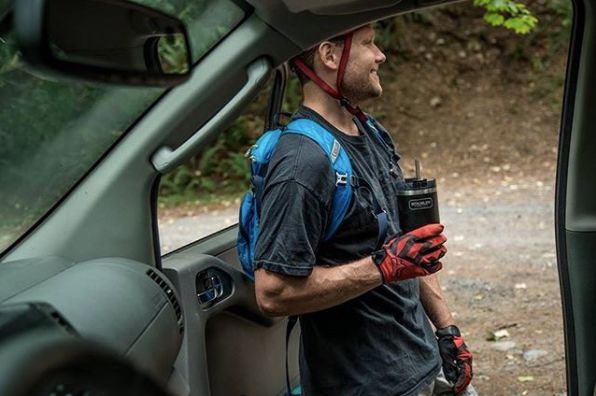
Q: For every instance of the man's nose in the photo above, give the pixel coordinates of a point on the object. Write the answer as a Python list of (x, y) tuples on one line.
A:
[(380, 57)]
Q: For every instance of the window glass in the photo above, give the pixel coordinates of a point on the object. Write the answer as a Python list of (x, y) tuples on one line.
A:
[(203, 196), (52, 132)]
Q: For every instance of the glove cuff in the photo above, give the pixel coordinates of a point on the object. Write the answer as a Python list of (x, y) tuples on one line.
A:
[(378, 257), (449, 331)]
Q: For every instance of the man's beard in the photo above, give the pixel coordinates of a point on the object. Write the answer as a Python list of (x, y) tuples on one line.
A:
[(361, 89)]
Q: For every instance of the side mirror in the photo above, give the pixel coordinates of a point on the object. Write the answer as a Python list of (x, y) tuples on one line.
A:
[(111, 41)]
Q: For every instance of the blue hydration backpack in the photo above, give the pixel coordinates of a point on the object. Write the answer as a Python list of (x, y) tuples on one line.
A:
[(260, 155)]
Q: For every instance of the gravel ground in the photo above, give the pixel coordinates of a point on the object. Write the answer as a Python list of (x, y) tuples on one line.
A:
[(501, 274), (177, 229)]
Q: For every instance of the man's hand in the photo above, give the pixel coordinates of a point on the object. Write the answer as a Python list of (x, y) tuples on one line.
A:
[(416, 253), (457, 359)]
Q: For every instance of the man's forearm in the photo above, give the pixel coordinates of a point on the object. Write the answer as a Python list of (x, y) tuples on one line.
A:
[(325, 287), (434, 302)]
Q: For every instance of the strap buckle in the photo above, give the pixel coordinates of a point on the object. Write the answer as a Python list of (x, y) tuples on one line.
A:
[(341, 179), (248, 153), (393, 171), (344, 102)]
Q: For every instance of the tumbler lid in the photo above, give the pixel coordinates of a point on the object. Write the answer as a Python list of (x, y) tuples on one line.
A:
[(414, 186)]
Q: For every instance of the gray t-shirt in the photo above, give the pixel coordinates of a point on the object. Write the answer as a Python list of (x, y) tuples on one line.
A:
[(380, 343)]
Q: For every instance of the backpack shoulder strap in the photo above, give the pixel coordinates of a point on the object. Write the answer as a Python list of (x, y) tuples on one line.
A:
[(339, 161), (382, 135), (260, 154), (262, 150)]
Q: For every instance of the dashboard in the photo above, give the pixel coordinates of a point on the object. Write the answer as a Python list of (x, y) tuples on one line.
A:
[(118, 305)]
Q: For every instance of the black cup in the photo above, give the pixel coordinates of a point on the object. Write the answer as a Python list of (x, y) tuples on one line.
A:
[(417, 203)]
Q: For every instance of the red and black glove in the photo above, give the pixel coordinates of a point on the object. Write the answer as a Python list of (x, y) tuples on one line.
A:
[(416, 253), (457, 359)]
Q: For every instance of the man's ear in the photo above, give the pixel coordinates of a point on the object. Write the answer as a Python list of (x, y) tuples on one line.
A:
[(329, 55)]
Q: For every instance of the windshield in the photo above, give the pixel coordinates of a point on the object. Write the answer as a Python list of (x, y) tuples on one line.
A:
[(51, 133)]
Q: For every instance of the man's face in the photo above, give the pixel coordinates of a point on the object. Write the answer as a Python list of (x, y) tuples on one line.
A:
[(361, 80)]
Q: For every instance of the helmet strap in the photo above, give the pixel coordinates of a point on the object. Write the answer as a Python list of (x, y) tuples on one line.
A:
[(335, 93)]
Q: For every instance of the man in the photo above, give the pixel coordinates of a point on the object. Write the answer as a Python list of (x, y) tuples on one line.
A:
[(363, 303)]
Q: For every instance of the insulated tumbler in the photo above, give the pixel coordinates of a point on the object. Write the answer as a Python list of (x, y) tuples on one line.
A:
[(417, 202)]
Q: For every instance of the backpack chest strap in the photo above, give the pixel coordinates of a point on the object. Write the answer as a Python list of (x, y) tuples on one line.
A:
[(378, 211)]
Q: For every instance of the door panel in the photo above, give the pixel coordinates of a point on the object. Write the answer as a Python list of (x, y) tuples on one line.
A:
[(230, 347), (246, 358), (582, 278), (576, 203)]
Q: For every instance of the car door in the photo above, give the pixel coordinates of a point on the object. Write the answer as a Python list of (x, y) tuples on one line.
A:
[(576, 204)]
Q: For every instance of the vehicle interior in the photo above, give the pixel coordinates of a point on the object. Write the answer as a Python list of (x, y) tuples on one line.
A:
[(84, 275)]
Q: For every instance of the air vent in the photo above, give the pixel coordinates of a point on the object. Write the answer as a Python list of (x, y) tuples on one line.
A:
[(59, 319), (171, 296)]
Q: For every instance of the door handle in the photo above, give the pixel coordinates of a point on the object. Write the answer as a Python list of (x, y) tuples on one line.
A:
[(211, 289), (166, 159)]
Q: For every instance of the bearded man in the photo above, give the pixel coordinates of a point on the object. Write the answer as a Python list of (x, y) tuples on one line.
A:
[(364, 296)]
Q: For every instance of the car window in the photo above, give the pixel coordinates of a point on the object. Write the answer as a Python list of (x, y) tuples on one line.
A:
[(52, 132), (203, 196)]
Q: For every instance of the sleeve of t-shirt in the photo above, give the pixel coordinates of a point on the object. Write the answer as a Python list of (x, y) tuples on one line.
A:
[(294, 208)]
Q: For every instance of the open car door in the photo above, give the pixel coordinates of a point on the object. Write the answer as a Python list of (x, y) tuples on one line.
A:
[(576, 203)]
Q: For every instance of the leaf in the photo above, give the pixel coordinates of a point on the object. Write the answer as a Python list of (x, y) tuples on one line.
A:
[(494, 19), (514, 8), (510, 14), (521, 25)]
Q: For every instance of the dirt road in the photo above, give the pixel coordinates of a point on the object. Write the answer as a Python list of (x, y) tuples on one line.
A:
[(500, 274)]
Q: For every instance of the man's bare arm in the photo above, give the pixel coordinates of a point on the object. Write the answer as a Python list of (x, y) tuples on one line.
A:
[(325, 287), (403, 257), (434, 302)]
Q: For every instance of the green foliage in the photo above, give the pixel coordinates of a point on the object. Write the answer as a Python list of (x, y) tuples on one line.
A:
[(563, 8), (389, 34), (509, 14), (293, 94), (222, 168), (172, 54), (180, 181)]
